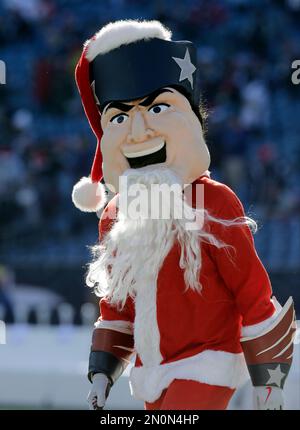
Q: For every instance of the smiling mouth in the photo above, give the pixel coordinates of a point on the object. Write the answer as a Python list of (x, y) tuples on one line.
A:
[(148, 156)]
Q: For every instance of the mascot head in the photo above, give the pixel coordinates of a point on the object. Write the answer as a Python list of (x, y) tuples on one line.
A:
[(140, 92)]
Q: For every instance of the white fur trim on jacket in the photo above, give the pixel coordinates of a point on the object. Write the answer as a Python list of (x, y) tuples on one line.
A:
[(146, 331), (116, 325), (89, 196), (257, 329), (123, 32), (209, 367)]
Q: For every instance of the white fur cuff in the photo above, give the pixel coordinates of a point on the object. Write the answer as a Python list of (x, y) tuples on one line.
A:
[(116, 325), (259, 328)]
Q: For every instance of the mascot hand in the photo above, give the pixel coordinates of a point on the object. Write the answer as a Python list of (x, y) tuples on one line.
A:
[(268, 397), (99, 391)]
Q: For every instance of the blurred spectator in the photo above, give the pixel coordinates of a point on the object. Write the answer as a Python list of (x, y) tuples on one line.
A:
[(6, 283), (255, 111), (268, 180)]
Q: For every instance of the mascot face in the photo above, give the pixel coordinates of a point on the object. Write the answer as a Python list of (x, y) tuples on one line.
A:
[(158, 129)]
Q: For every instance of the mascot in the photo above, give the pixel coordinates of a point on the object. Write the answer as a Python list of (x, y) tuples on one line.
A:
[(180, 284)]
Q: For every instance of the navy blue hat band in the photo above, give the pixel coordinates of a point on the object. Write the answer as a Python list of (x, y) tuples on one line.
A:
[(135, 70)]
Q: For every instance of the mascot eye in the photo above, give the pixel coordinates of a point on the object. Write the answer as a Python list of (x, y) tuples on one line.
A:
[(119, 119), (158, 108)]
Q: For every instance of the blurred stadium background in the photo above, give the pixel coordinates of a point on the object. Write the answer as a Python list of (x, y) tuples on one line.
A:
[(246, 48)]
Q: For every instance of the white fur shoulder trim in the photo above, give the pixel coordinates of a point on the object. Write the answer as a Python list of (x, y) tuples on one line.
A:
[(123, 32), (209, 367), (116, 325)]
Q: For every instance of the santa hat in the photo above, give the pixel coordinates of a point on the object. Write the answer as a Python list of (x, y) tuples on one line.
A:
[(126, 60)]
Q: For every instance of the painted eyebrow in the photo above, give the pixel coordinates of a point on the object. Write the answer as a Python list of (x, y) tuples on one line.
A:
[(118, 105), (150, 99), (147, 102)]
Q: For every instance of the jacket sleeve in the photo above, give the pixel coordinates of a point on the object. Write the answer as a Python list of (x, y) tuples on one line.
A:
[(112, 341), (239, 265), (267, 329), (269, 355)]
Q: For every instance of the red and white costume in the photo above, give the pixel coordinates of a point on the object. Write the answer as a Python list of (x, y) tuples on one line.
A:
[(186, 335), (191, 347)]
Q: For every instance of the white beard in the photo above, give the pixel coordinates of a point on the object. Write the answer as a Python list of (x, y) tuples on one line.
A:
[(128, 260), (132, 253)]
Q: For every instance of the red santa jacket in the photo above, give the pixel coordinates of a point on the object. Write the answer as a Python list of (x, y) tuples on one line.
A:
[(182, 334)]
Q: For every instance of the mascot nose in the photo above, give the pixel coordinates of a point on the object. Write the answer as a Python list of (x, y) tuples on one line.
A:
[(139, 130)]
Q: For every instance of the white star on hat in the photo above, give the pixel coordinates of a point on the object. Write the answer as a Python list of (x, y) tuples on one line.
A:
[(276, 376), (186, 66)]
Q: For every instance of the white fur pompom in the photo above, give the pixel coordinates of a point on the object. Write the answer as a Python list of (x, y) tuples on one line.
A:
[(89, 196)]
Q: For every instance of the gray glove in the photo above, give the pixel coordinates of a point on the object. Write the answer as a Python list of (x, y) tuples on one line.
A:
[(268, 397), (99, 391)]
